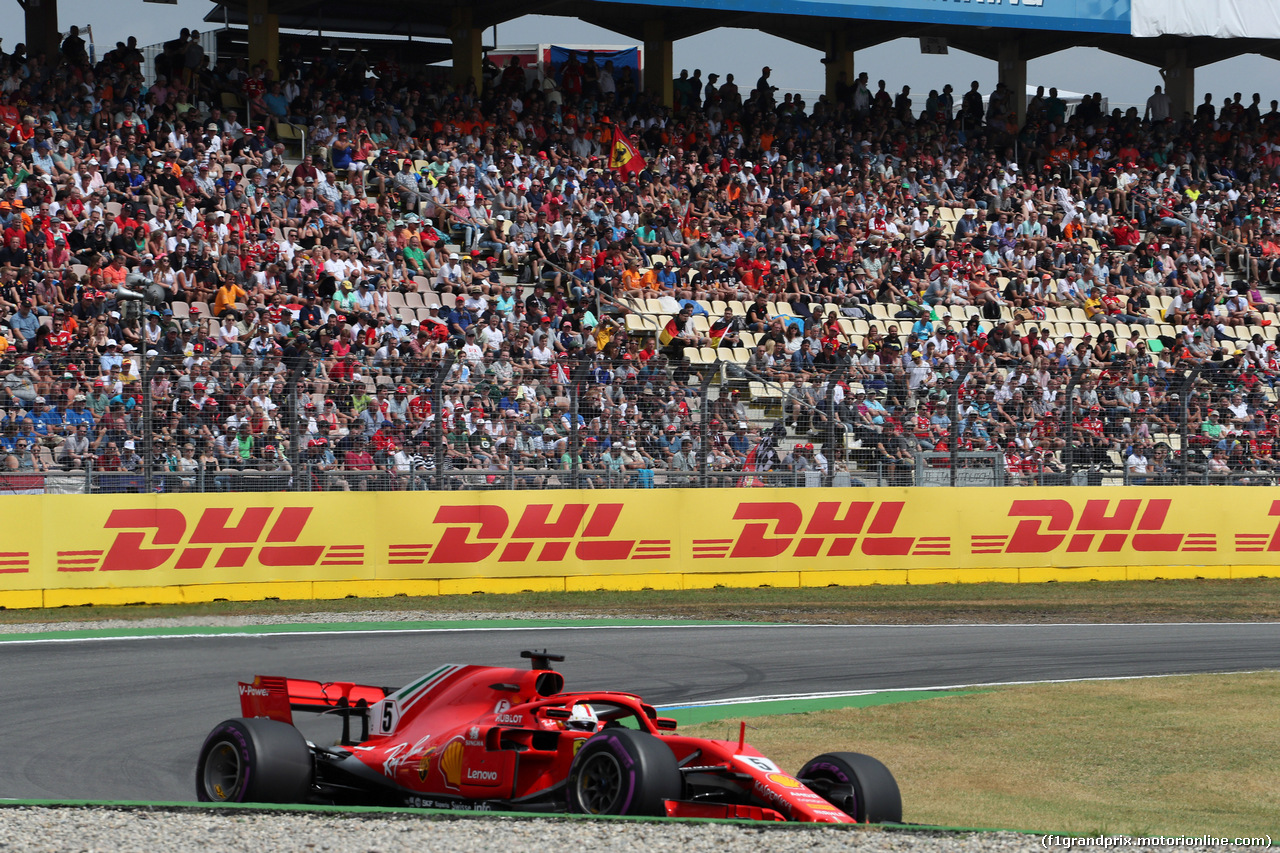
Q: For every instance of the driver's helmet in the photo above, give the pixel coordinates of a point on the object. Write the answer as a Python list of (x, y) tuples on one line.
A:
[(583, 718)]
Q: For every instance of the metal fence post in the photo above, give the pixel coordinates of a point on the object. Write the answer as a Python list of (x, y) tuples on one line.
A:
[(1069, 427), (437, 403), (148, 426), (301, 364), (953, 412), (1184, 416), (704, 418), (577, 378)]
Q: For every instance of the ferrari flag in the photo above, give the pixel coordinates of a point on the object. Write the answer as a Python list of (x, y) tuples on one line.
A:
[(623, 156)]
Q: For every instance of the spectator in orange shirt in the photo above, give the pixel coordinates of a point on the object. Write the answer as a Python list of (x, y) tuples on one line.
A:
[(634, 279), (113, 274), (228, 295)]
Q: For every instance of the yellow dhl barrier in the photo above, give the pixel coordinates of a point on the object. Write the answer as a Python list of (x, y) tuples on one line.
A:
[(70, 549)]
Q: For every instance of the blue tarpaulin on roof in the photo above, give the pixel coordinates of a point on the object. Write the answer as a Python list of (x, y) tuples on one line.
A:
[(629, 58)]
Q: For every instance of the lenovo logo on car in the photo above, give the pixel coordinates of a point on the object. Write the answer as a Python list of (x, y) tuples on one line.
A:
[(250, 690), (482, 776)]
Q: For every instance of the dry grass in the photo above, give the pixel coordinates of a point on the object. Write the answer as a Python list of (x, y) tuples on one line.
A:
[(1245, 600), (1189, 755)]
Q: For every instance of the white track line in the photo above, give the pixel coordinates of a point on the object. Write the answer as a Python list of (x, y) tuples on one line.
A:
[(792, 697)]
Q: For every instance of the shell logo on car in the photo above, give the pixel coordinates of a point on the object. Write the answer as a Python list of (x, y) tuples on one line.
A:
[(451, 763), (784, 780)]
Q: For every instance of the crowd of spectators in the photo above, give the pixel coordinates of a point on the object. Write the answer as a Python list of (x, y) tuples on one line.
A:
[(909, 274)]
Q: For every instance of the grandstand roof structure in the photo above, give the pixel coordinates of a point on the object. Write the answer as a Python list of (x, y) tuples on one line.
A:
[(806, 23), (1176, 35)]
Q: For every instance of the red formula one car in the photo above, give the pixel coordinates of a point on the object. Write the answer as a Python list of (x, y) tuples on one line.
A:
[(489, 738)]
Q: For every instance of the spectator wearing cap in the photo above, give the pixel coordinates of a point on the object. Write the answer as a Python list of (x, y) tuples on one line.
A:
[(408, 186), (740, 443), (449, 276)]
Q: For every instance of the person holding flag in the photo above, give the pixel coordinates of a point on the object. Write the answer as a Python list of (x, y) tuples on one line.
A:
[(724, 331), (678, 333), (623, 156), (762, 458)]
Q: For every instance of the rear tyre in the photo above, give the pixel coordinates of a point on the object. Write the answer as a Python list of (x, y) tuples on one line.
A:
[(623, 772), (254, 761), (857, 784)]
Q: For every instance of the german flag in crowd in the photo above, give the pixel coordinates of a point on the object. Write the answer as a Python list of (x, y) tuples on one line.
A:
[(669, 332), (719, 329)]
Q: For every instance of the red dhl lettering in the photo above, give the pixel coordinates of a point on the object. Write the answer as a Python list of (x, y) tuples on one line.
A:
[(476, 533), (152, 538), (832, 529), (1100, 526)]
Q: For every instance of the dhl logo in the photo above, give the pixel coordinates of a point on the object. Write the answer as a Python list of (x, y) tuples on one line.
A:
[(832, 529), (475, 533), (151, 538), (1102, 526)]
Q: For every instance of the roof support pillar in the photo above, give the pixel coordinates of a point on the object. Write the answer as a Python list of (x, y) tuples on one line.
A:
[(42, 28), (1013, 74), (468, 51), (1179, 83), (264, 37), (659, 63), (839, 64)]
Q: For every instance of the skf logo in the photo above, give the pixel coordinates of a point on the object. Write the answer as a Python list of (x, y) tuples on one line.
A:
[(1103, 526), (235, 544), (833, 529), (475, 533)]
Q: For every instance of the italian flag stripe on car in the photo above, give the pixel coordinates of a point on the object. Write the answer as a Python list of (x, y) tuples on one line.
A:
[(412, 693)]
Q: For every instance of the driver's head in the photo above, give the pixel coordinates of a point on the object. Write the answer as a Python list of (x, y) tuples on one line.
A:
[(583, 718)]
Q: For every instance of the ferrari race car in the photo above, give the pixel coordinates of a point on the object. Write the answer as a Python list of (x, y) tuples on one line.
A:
[(495, 738)]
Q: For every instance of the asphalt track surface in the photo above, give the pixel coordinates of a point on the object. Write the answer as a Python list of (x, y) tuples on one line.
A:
[(123, 719)]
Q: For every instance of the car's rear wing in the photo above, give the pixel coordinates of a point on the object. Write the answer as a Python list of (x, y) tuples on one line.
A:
[(277, 698)]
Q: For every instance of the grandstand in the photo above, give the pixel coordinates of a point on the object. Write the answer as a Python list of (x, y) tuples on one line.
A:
[(388, 282)]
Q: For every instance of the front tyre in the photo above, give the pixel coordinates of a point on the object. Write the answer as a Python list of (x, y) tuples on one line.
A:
[(857, 784), (254, 761), (623, 772)]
